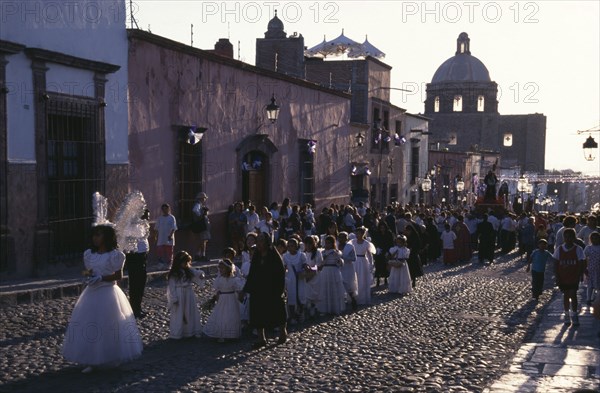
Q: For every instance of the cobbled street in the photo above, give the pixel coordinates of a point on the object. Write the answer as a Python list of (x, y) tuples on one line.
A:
[(456, 332)]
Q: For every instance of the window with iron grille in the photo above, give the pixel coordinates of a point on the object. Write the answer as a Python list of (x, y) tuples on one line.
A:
[(190, 179), (307, 173), (75, 162)]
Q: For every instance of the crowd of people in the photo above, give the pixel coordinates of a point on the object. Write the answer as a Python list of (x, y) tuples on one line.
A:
[(286, 264)]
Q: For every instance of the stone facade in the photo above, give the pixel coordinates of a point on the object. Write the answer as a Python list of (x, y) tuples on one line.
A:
[(179, 88)]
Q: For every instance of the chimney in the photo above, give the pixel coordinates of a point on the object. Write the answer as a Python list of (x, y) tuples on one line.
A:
[(224, 48)]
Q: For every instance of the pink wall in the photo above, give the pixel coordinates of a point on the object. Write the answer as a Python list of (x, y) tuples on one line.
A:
[(173, 84)]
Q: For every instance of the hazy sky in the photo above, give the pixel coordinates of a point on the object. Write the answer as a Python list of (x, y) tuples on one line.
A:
[(544, 55)]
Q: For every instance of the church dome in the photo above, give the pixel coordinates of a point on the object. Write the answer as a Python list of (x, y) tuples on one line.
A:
[(463, 67), (275, 28)]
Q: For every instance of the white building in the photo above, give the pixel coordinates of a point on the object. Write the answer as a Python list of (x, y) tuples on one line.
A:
[(63, 126)]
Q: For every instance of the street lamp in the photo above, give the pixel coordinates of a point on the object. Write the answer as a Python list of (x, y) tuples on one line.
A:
[(460, 186), (426, 186), (272, 110), (589, 148), (360, 140)]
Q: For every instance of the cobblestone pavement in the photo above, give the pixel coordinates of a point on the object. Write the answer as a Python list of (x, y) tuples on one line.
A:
[(456, 332)]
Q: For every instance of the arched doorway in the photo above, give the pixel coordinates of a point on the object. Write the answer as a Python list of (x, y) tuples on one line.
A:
[(254, 178), (256, 154)]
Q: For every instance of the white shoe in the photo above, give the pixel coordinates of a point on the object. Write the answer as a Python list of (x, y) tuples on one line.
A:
[(87, 370)]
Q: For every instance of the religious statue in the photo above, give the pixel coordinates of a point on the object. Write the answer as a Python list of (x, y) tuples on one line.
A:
[(490, 182)]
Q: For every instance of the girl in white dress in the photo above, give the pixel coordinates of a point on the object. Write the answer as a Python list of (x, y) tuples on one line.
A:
[(348, 270), (245, 269), (399, 281), (185, 318), (102, 329), (295, 263), (224, 322), (364, 265), (314, 259), (331, 286)]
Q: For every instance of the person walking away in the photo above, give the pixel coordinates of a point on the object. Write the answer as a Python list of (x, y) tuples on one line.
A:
[(537, 265), (528, 238), (568, 267), (487, 240), (166, 226)]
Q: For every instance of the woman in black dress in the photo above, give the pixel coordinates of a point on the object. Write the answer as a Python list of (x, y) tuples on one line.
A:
[(266, 286), (414, 261), (383, 239)]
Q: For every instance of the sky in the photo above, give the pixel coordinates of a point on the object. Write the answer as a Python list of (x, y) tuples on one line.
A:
[(544, 55)]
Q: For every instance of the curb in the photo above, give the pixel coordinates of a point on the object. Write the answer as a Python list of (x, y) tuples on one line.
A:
[(30, 296)]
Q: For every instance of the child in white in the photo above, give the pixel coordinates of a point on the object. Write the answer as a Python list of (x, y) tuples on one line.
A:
[(295, 263), (224, 321), (332, 293), (399, 281), (364, 265), (185, 318), (246, 258), (348, 271), (102, 307), (314, 258)]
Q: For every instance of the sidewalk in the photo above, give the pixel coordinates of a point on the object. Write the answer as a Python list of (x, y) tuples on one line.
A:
[(558, 358), (13, 292)]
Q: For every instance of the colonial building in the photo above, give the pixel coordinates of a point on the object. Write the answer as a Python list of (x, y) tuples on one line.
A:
[(388, 155), (462, 103), (63, 128), (198, 123)]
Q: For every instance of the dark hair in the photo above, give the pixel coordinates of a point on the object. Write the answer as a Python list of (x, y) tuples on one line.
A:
[(109, 237), (228, 265), (175, 270), (331, 239)]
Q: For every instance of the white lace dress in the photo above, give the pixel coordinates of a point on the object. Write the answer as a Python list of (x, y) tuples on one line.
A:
[(183, 307), (399, 280), (294, 279), (364, 269), (102, 329), (348, 271), (225, 321), (332, 294)]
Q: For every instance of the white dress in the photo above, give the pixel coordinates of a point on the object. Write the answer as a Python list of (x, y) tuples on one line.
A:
[(294, 280), (244, 305), (364, 269), (185, 318), (348, 270), (224, 321), (332, 294), (312, 286), (102, 329), (399, 281)]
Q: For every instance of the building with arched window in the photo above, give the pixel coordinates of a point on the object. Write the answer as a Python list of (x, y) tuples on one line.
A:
[(462, 101)]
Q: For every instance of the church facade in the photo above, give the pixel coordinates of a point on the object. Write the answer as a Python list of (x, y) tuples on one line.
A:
[(462, 103)]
